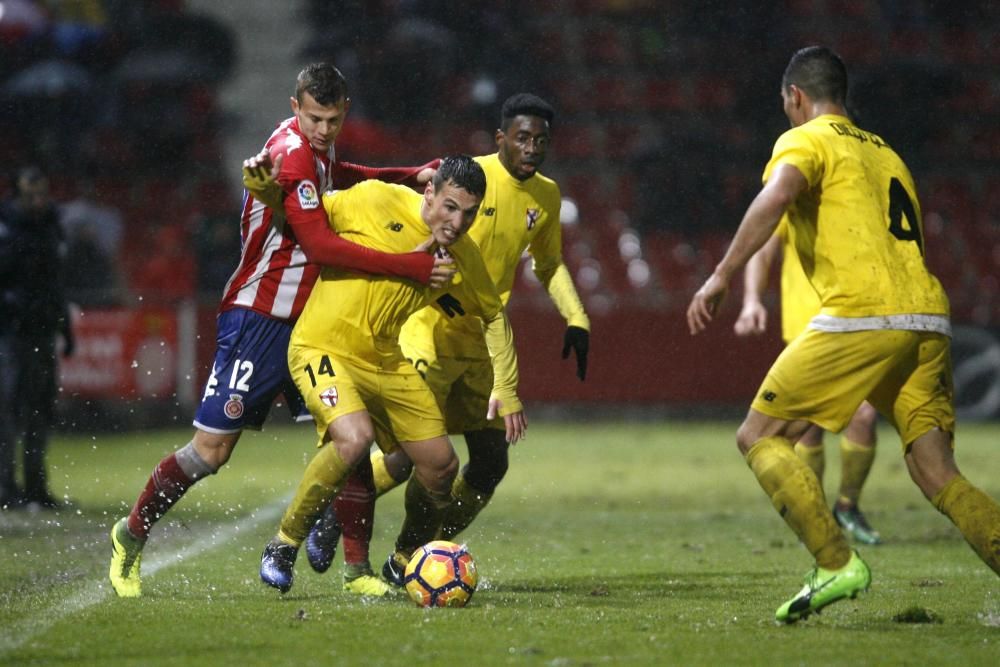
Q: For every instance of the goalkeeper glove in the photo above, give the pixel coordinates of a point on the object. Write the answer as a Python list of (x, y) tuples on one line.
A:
[(577, 339)]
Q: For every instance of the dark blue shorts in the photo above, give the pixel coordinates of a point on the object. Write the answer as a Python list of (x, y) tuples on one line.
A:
[(249, 371)]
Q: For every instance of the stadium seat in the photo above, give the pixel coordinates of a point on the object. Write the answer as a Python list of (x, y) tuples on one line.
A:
[(665, 94), (962, 45)]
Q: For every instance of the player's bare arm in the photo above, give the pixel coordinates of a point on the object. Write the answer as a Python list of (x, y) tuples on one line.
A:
[(515, 423), (752, 319), (758, 225)]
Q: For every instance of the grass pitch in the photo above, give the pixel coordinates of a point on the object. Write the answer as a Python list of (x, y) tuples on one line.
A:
[(608, 543)]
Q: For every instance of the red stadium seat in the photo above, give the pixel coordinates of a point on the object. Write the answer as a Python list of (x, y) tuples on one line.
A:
[(667, 94), (963, 46)]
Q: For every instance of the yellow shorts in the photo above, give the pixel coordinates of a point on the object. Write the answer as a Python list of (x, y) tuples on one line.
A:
[(462, 387), (394, 394), (823, 377)]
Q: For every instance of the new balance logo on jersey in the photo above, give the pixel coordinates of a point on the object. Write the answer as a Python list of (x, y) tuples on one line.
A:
[(394, 226), (532, 216), (769, 396), (489, 211)]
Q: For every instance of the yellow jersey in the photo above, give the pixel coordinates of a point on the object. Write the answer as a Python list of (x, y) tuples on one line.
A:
[(362, 315), (799, 301), (514, 216), (857, 230)]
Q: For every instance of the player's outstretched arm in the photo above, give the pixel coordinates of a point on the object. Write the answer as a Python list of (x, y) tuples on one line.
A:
[(752, 319), (349, 173), (758, 225), (503, 399), (487, 305), (324, 246)]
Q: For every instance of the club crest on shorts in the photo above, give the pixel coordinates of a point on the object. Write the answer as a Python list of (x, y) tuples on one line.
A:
[(329, 397), (234, 406), (532, 217), (308, 198)]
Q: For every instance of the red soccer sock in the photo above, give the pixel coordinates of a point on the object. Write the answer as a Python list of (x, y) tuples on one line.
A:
[(165, 487), (355, 508)]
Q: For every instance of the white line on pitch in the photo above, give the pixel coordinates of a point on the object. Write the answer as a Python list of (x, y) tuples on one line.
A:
[(93, 593)]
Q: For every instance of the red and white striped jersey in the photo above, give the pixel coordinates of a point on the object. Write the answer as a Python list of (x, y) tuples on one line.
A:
[(273, 277)]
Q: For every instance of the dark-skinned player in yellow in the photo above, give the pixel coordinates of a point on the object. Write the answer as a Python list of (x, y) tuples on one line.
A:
[(519, 212)]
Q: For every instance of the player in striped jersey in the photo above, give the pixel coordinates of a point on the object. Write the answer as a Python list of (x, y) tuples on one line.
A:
[(882, 333), (799, 303), (280, 261)]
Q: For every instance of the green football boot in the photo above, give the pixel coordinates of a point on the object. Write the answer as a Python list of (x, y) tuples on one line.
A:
[(361, 580), (126, 553), (368, 585), (824, 587), (854, 523)]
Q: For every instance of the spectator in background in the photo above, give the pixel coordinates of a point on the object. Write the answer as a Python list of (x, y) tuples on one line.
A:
[(96, 279), (93, 238), (33, 311)]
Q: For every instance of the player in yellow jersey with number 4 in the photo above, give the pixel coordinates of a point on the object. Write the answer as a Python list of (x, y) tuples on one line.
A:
[(882, 333)]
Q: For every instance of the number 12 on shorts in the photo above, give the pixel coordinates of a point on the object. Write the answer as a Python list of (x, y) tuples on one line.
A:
[(238, 380)]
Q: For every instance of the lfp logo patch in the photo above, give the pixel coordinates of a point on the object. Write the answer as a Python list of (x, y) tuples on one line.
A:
[(308, 197), (329, 397)]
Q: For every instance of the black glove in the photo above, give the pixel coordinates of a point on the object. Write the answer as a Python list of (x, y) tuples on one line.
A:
[(577, 339)]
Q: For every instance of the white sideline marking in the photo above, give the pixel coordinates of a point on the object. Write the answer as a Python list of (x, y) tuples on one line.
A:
[(96, 592)]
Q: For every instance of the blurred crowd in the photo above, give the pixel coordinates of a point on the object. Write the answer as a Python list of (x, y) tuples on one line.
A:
[(667, 112), (115, 101)]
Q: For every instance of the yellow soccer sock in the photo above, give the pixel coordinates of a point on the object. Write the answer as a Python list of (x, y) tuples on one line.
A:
[(814, 457), (855, 463), (424, 510), (321, 482), (796, 494), (976, 515), (384, 482), (466, 503)]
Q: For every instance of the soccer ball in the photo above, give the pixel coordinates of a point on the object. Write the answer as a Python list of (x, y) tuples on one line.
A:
[(441, 574)]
